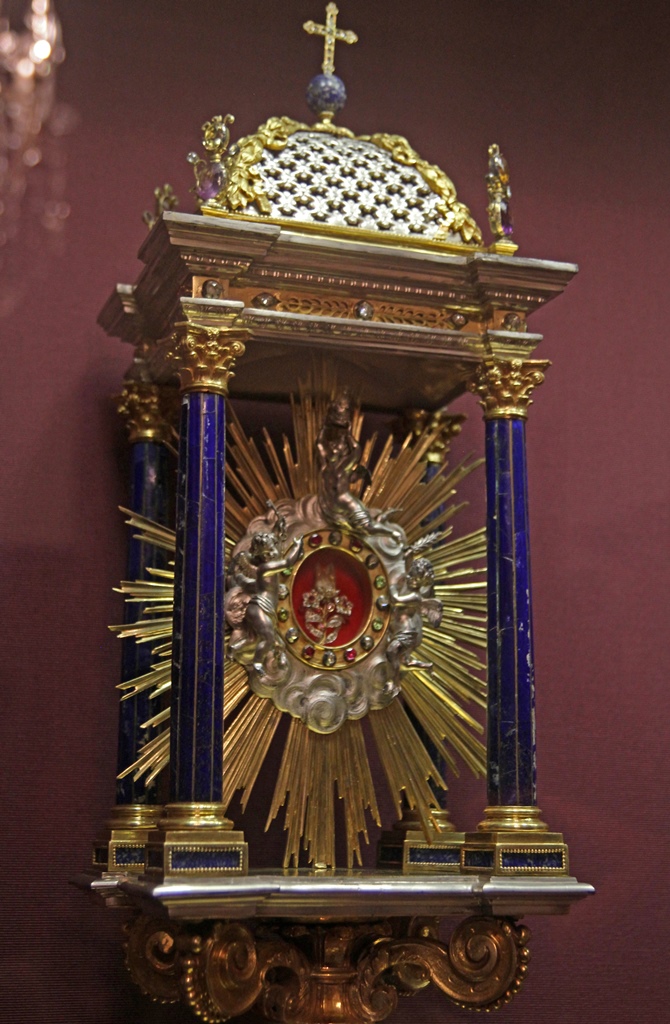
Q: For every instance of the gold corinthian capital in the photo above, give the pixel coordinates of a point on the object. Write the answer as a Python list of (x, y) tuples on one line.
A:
[(140, 405), (438, 422), (204, 356), (504, 386)]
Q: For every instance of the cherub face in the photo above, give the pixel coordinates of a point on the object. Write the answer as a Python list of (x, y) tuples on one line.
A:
[(263, 547), (339, 411), (421, 573)]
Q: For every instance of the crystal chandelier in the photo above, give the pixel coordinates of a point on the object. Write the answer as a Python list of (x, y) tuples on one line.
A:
[(31, 124)]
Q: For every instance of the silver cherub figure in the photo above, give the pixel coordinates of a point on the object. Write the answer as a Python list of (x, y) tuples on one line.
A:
[(411, 602), (253, 596), (339, 462)]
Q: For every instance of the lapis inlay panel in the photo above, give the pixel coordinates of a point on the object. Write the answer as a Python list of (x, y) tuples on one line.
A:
[(196, 753), (511, 701), (434, 855), (128, 855), (551, 860), (478, 858), (206, 860), (148, 496)]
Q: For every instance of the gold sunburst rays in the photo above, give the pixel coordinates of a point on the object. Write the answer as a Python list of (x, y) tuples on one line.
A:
[(311, 766), (444, 720), (246, 743), (406, 763), (318, 769), (397, 481)]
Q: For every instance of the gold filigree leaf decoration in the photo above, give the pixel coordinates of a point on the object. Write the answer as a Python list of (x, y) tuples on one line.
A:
[(317, 768), (247, 184), (244, 185), (457, 217)]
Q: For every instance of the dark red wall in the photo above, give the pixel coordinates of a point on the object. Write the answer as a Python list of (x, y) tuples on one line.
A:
[(576, 94)]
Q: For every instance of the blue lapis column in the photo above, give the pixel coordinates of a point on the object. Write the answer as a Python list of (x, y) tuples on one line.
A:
[(204, 357), (149, 468), (505, 387), (196, 766), (136, 813)]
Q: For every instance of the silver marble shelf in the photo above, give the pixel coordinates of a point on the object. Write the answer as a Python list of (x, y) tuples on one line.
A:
[(339, 895)]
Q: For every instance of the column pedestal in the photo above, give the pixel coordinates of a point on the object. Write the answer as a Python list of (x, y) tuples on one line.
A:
[(406, 848), (122, 849), (194, 839)]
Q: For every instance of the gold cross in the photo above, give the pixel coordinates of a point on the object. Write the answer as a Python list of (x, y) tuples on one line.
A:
[(332, 34)]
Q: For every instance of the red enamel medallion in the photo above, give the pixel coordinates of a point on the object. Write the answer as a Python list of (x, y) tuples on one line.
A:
[(331, 597)]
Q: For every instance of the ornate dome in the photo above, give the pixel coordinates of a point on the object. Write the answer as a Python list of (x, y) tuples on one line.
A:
[(323, 177)]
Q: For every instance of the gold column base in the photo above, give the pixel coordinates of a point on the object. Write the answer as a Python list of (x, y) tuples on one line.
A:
[(504, 247), (512, 818), (196, 839), (513, 840), (121, 849), (407, 848), (343, 973)]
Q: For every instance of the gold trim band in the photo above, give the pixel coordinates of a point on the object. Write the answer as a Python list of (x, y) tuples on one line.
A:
[(192, 815), (512, 818)]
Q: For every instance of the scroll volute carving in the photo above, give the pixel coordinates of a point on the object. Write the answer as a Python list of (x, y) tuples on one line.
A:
[(307, 974), (152, 957), (482, 967), (226, 973)]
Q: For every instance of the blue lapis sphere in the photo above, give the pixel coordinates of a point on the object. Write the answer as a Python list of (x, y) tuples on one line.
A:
[(326, 92)]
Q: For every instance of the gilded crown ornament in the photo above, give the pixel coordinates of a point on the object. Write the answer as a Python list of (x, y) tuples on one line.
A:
[(211, 176), (164, 199)]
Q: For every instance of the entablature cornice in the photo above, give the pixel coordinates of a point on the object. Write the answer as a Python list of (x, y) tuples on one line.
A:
[(243, 254), (120, 316), (294, 291)]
